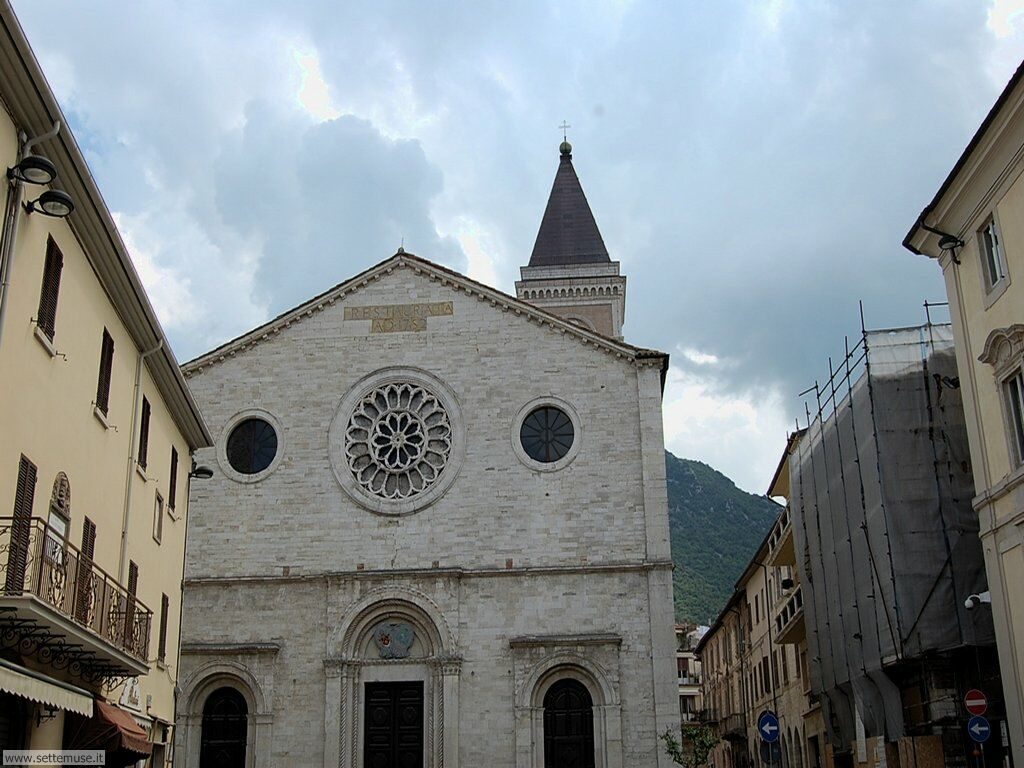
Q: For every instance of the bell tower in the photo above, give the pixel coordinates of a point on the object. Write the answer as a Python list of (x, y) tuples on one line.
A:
[(570, 273)]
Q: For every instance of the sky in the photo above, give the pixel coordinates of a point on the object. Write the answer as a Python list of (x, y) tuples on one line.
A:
[(753, 165)]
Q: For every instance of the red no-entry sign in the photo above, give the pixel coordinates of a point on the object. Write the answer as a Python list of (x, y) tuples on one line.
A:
[(976, 702)]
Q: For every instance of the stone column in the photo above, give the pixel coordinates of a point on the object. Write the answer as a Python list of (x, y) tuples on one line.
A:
[(335, 670), (449, 712)]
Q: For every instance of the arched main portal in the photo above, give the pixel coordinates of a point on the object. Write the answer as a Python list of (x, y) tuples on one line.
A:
[(568, 725), (225, 724)]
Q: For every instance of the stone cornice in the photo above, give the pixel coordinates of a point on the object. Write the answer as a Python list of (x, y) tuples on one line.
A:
[(454, 573), (238, 648), (436, 273), (545, 641)]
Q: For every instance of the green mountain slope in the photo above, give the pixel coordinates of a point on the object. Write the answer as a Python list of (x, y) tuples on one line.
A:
[(716, 528)]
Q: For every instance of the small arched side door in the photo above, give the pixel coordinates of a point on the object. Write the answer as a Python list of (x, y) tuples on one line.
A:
[(568, 726), (224, 730)]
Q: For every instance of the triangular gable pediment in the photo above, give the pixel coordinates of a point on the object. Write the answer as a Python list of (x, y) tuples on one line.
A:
[(434, 272)]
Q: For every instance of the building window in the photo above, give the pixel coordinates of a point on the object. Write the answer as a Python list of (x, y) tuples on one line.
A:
[(547, 434), (172, 490), (158, 518), (1014, 393), (992, 256), (164, 609), (144, 434), (46, 317), (252, 446), (106, 365)]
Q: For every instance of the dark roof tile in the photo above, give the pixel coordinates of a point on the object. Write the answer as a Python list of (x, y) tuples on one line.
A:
[(568, 233)]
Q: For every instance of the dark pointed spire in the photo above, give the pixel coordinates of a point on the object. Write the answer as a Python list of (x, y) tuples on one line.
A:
[(568, 233)]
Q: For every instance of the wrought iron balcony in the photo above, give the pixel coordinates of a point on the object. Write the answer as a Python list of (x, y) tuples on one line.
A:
[(781, 550), (789, 621), (57, 603), (734, 726)]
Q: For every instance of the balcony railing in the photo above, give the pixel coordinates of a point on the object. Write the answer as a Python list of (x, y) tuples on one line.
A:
[(733, 726), (36, 563), (789, 627), (781, 549)]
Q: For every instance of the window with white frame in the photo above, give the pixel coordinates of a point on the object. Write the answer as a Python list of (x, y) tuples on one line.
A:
[(158, 518), (992, 257), (1014, 393)]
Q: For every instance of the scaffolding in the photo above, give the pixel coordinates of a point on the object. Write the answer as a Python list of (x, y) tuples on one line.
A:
[(886, 536)]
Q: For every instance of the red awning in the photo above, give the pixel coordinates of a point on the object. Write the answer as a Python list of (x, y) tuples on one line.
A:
[(113, 730)]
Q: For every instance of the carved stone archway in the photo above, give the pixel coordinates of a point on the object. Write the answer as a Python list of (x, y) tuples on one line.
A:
[(198, 688), (391, 635)]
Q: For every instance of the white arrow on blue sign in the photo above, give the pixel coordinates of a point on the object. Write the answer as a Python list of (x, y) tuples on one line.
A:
[(768, 726), (979, 729)]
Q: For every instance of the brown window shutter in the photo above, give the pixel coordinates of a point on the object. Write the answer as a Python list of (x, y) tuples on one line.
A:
[(83, 576), (46, 317), (133, 578), (106, 365), (129, 613), (172, 491), (144, 434), (88, 538), (21, 528), (165, 605)]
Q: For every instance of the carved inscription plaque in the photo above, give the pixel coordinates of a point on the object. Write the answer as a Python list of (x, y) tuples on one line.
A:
[(391, 318)]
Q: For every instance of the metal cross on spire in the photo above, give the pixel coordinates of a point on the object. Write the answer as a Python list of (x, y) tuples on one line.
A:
[(564, 126)]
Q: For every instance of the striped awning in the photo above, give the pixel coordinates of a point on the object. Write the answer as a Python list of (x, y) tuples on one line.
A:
[(34, 686)]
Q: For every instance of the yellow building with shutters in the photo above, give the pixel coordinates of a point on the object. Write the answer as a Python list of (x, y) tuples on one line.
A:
[(974, 228), (97, 430)]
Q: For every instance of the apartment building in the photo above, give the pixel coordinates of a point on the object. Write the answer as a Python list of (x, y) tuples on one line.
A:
[(98, 431), (974, 228), (888, 557), (748, 671), (688, 672)]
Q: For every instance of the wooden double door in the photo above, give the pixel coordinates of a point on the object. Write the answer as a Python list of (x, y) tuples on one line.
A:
[(393, 736)]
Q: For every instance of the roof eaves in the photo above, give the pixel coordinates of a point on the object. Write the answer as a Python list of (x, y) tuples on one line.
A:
[(965, 156), (614, 346), (36, 108)]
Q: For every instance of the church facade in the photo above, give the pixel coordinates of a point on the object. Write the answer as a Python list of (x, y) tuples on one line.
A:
[(437, 530)]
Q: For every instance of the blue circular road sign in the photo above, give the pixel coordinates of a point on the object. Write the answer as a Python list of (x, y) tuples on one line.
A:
[(768, 727), (979, 729)]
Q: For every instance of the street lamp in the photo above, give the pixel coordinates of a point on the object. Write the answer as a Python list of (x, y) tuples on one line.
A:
[(33, 169), (200, 471), (53, 203)]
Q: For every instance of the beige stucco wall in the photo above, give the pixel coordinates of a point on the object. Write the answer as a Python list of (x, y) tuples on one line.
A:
[(46, 413), (976, 313)]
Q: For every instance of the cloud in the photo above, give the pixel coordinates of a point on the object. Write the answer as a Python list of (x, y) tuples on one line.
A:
[(324, 200), (700, 419), (314, 93), (754, 166)]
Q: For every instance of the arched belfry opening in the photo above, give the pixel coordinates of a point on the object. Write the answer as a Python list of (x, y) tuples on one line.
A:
[(568, 725)]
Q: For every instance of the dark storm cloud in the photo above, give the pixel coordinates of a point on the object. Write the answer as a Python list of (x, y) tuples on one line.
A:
[(324, 200), (753, 165)]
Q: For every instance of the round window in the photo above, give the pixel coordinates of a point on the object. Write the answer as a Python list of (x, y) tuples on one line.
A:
[(547, 434), (252, 446)]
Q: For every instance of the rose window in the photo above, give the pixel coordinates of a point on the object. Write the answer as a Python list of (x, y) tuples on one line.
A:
[(398, 440)]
